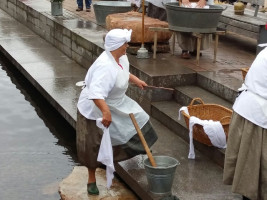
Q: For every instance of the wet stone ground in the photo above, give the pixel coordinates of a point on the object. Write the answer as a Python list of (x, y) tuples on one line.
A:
[(37, 147)]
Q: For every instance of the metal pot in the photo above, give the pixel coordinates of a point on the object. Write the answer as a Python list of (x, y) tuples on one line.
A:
[(198, 20), (104, 8)]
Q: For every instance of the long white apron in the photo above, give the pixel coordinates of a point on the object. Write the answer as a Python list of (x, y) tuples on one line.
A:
[(121, 128)]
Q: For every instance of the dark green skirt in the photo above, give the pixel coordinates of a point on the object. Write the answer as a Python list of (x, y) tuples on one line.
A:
[(88, 140)]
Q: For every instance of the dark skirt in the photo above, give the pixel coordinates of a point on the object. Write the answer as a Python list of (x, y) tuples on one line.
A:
[(88, 140), (245, 166), (156, 12)]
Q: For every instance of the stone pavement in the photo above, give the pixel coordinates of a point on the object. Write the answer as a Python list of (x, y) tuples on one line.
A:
[(234, 51), (55, 75)]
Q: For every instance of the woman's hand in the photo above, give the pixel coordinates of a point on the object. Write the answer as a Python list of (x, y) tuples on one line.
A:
[(106, 118), (106, 115), (139, 83), (186, 3), (201, 3)]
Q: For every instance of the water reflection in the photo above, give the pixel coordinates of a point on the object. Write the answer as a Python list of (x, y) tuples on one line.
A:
[(37, 146)]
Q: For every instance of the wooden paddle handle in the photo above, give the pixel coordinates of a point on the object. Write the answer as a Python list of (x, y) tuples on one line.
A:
[(150, 157)]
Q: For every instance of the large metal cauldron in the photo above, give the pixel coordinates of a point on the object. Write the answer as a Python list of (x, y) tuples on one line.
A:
[(198, 20), (103, 8)]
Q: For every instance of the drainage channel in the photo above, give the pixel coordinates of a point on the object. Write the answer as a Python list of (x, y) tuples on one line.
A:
[(37, 146)]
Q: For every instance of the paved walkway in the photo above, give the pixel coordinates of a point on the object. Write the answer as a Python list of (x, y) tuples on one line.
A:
[(234, 51)]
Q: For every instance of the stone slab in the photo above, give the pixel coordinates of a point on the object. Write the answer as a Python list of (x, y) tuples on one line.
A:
[(74, 187)]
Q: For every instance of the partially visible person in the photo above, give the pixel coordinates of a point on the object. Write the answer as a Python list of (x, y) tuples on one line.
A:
[(157, 10), (104, 97), (186, 41), (245, 166), (87, 5)]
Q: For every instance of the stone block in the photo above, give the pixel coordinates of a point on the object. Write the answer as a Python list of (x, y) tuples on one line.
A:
[(66, 32), (43, 19), (133, 20), (74, 186), (3, 4), (22, 5), (58, 36), (67, 50), (48, 38), (11, 9), (50, 22), (21, 14), (13, 1), (76, 48), (67, 41)]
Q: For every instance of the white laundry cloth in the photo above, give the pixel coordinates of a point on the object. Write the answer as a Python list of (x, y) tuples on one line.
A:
[(213, 129), (185, 109), (194, 5), (105, 154)]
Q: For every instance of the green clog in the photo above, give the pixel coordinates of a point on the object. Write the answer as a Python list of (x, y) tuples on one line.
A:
[(92, 189)]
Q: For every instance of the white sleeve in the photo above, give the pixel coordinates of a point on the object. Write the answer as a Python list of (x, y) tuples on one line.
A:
[(103, 79)]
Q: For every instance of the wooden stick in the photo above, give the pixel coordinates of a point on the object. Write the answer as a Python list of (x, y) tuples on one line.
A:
[(156, 87), (140, 134), (143, 22)]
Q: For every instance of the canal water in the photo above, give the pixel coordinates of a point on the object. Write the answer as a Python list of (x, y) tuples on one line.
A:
[(37, 146)]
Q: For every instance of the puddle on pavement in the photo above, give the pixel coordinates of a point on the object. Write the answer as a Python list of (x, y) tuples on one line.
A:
[(37, 146)]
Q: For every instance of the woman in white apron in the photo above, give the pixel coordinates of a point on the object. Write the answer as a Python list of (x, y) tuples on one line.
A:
[(245, 166), (104, 97)]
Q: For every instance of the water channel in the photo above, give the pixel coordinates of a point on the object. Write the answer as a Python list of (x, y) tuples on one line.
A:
[(37, 146)]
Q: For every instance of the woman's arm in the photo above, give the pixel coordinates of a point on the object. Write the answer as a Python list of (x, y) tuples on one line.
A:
[(201, 3), (141, 84), (106, 115), (186, 3)]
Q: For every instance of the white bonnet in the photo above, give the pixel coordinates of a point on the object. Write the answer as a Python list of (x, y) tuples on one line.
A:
[(115, 38)]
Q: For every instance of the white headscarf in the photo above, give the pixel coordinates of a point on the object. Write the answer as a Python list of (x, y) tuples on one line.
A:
[(116, 38)]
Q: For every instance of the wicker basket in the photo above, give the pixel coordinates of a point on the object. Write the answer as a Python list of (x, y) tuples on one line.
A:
[(244, 72), (203, 111)]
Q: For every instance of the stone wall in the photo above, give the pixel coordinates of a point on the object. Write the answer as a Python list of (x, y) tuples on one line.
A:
[(68, 33)]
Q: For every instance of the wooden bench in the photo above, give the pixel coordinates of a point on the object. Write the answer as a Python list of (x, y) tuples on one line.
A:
[(251, 24)]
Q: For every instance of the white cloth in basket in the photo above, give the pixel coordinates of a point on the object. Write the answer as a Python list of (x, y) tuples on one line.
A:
[(213, 129)]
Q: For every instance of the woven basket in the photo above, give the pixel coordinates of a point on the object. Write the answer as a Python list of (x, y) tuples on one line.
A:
[(203, 111), (244, 72)]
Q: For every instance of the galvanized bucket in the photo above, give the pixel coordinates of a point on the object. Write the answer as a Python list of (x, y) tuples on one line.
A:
[(56, 8), (198, 20), (160, 178), (103, 8)]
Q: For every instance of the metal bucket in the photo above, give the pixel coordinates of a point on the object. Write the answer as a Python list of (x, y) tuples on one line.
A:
[(56, 8), (104, 8), (160, 178), (198, 20)]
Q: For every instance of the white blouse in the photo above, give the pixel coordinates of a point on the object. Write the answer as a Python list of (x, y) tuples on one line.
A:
[(107, 80), (252, 102)]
